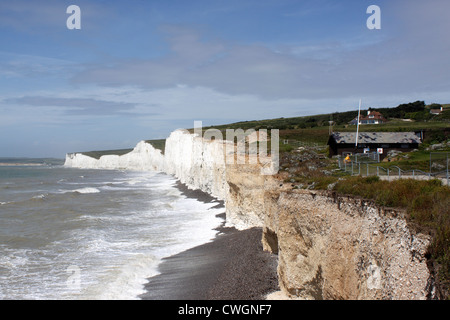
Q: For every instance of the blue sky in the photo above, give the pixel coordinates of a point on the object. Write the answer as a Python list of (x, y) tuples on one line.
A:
[(141, 69)]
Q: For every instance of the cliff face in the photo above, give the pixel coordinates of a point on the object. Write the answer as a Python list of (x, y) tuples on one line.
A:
[(143, 157), (333, 247), (194, 161), (328, 247), (197, 162), (245, 197)]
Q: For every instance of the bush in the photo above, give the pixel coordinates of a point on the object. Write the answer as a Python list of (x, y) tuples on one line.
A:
[(372, 179)]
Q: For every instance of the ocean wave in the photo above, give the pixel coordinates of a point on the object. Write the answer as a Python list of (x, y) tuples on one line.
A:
[(118, 240), (87, 190), (40, 196), (81, 190), (113, 188)]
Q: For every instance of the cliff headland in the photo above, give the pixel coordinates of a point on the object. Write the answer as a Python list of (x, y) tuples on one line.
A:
[(329, 246)]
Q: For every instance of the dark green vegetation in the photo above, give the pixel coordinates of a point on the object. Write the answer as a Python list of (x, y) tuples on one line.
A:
[(98, 154), (315, 129), (158, 144), (413, 116), (417, 109)]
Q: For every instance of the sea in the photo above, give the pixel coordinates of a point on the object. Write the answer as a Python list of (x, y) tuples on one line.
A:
[(69, 233)]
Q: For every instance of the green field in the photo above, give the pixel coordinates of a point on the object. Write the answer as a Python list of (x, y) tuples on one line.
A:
[(316, 128)]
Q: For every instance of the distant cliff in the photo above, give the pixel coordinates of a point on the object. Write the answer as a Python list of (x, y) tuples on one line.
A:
[(328, 246), (143, 157)]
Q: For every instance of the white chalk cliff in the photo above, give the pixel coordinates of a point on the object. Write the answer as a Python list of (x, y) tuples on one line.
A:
[(196, 162), (328, 247), (143, 157)]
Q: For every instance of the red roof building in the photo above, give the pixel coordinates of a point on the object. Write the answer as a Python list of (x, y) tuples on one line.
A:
[(373, 117)]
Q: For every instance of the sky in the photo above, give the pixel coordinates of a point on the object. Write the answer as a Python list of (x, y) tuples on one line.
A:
[(139, 69)]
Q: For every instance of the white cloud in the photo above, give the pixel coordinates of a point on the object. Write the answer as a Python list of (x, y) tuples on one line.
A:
[(378, 64), (24, 66), (74, 105)]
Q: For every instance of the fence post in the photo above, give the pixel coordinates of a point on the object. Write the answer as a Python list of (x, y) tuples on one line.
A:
[(368, 169), (388, 173), (430, 168), (378, 171), (447, 169), (359, 168), (399, 173)]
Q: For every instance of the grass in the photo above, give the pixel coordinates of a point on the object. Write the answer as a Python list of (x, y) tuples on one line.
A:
[(418, 160), (158, 144), (319, 133), (98, 154)]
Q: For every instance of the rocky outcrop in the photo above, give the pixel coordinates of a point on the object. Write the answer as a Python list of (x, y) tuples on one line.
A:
[(332, 247), (245, 197)]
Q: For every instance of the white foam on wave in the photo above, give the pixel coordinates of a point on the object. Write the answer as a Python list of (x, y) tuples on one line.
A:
[(158, 232), (116, 249), (194, 224), (40, 196), (82, 190), (87, 190), (113, 268), (124, 282)]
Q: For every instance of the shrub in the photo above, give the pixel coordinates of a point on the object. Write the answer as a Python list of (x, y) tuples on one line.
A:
[(372, 179)]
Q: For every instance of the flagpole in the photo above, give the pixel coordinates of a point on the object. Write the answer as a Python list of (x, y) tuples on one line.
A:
[(357, 127)]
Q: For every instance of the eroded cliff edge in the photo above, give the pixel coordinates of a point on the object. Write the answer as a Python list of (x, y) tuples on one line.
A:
[(328, 246), (334, 247)]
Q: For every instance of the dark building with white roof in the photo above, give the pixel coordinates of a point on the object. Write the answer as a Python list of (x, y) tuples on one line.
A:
[(341, 143)]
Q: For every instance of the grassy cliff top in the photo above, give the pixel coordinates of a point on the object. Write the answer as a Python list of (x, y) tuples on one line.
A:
[(98, 154), (414, 116), (157, 144)]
